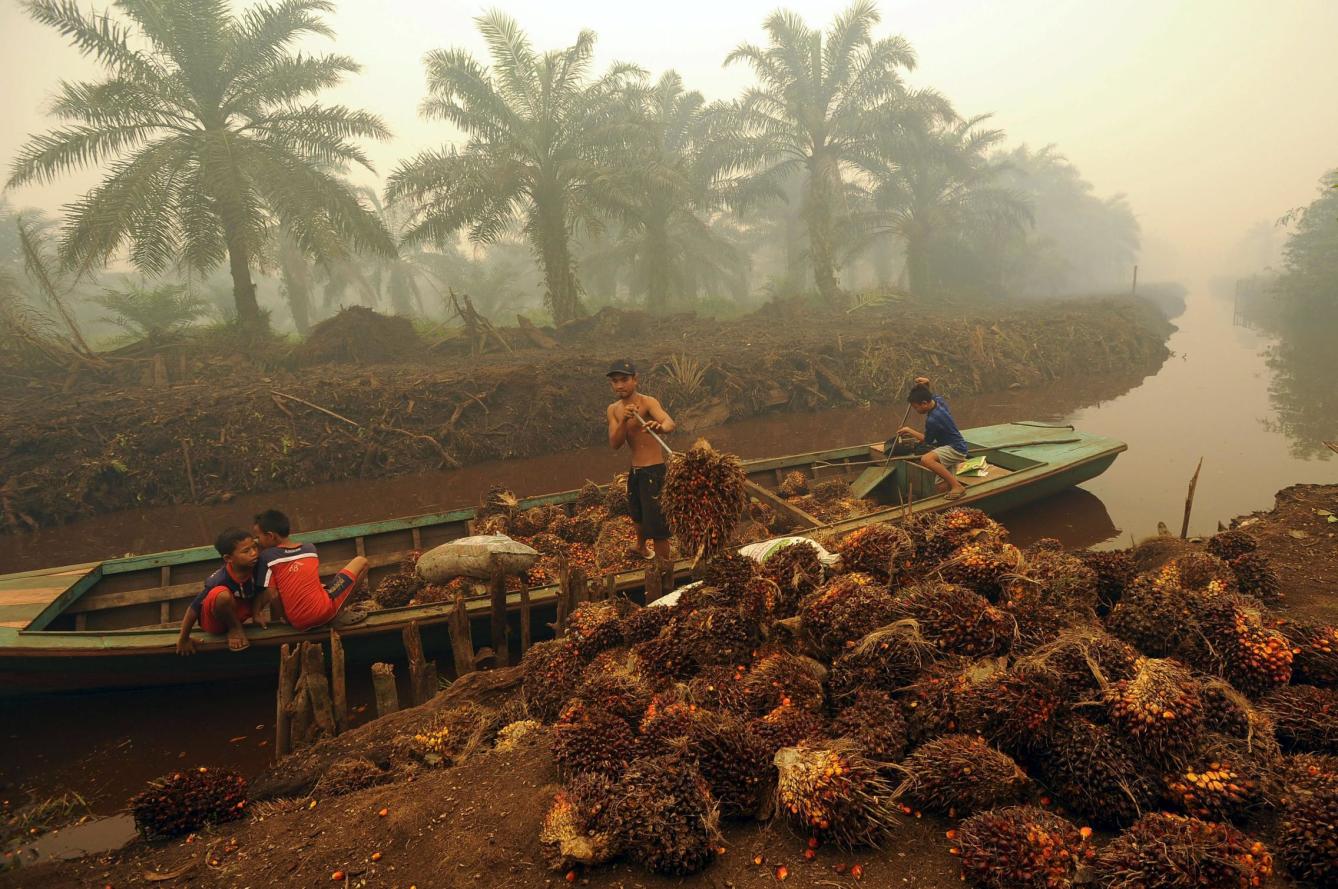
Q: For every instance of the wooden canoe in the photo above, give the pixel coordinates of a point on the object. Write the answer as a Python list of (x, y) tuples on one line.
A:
[(114, 623)]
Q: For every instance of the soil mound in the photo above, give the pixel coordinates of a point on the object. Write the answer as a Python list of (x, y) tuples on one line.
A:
[(359, 335)]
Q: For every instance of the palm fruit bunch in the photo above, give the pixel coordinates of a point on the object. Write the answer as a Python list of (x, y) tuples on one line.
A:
[(936, 536), (1314, 651), (493, 523), (184, 802), (1159, 710), (700, 595), (1308, 832), (955, 619), (1087, 658), (617, 537), (1038, 622), (1164, 851), (1060, 579), (551, 672), (844, 610), (888, 658), (641, 624), (448, 734), (588, 738), (786, 726), (958, 775), (1256, 577), (718, 635), (1306, 717), (734, 762), (1095, 774), (1219, 784), (702, 497), (608, 683), (400, 588), (589, 497), (884, 551), (729, 572), (497, 500), (666, 658), (761, 599), (595, 627), (837, 794), (795, 484), (1157, 619), (982, 565), (575, 830), (1227, 545), (615, 496), (1012, 708), (719, 688), (832, 491), (1199, 572), (1308, 772), (1228, 713), (548, 544), (663, 816), (933, 701), (778, 678), (1114, 571), (534, 520), (581, 527), (1254, 658), (666, 719), (797, 571), (874, 723), (1019, 847), (347, 775)]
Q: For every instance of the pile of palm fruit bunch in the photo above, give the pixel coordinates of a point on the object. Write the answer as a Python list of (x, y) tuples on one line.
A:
[(184, 802), (830, 501), (1026, 697)]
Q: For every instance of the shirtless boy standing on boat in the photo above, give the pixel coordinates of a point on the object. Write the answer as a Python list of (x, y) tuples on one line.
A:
[(626, 417), (230, 596)]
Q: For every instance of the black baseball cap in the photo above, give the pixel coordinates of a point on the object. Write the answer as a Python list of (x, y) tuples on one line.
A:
[(622, 366)]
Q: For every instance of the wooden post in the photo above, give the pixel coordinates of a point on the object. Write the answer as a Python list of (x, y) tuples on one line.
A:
[(462, 640), (283, 719), (655, 570), (525, 636), (383, 685), (299, 711), (1189, 499), (1133, 291), (338, 682), (430, 680), (501, 643), (318, 688), (413, 646)]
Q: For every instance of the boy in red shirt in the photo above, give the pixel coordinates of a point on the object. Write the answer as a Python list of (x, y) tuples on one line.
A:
[(292, 571), (230, 596)]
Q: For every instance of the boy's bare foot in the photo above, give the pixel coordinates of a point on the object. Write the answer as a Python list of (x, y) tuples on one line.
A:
[(955, 494), (237, 640)]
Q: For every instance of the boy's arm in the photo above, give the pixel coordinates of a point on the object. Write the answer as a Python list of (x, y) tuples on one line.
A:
[(263, 598), (186, 645), (617, 428), (660, 421)]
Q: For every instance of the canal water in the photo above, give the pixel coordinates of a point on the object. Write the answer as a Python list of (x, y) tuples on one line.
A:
[(1212, 400)]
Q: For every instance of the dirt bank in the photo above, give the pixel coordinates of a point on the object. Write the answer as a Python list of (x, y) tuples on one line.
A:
[(477, 823), (205, 426)]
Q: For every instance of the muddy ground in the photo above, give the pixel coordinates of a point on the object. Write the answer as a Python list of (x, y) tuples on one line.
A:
[(202, 422), (476, 824)]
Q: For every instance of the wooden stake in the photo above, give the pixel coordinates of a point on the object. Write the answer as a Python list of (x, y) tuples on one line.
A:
[(462, 639), (318, 688), (299, 711), (383, 685), (501, 642), (1189, 501), (525, 637), (413, 646), (283, 719), (338, 682)]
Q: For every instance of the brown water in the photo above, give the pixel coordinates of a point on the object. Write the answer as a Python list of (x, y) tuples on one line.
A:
[(1211, 400)]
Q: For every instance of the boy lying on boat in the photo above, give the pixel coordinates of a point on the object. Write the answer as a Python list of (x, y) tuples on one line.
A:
[(230, 596), (292, 571), (941, 433)]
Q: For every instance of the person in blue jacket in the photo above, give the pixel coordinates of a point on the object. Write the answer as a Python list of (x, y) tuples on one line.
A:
[(941, 434)]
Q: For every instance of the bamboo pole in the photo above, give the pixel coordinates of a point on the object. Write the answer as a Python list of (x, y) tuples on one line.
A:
[(283, 719), (339, 682), (318, 688), (1189, 501), (383, 686), (413, 645)]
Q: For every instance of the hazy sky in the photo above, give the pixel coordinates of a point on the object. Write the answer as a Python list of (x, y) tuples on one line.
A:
[(1211, 115)]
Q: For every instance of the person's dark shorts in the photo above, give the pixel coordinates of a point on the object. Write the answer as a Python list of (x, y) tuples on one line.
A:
[(643, 501)]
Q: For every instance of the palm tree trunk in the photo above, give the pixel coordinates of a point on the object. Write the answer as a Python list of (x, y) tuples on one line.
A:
[(243, 287), (818, 212), (564, 298), (917, 267), (657, 270), (296, 286)]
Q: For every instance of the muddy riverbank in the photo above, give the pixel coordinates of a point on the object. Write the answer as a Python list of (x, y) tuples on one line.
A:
[(206, 428)]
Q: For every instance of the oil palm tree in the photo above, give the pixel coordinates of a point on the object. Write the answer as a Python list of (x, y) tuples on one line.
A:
[(817, 112), (539, 134), (664, 196), (936, 182), (209, 134)]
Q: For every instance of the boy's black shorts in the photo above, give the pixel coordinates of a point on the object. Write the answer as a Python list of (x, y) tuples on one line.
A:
[(643, 501)]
